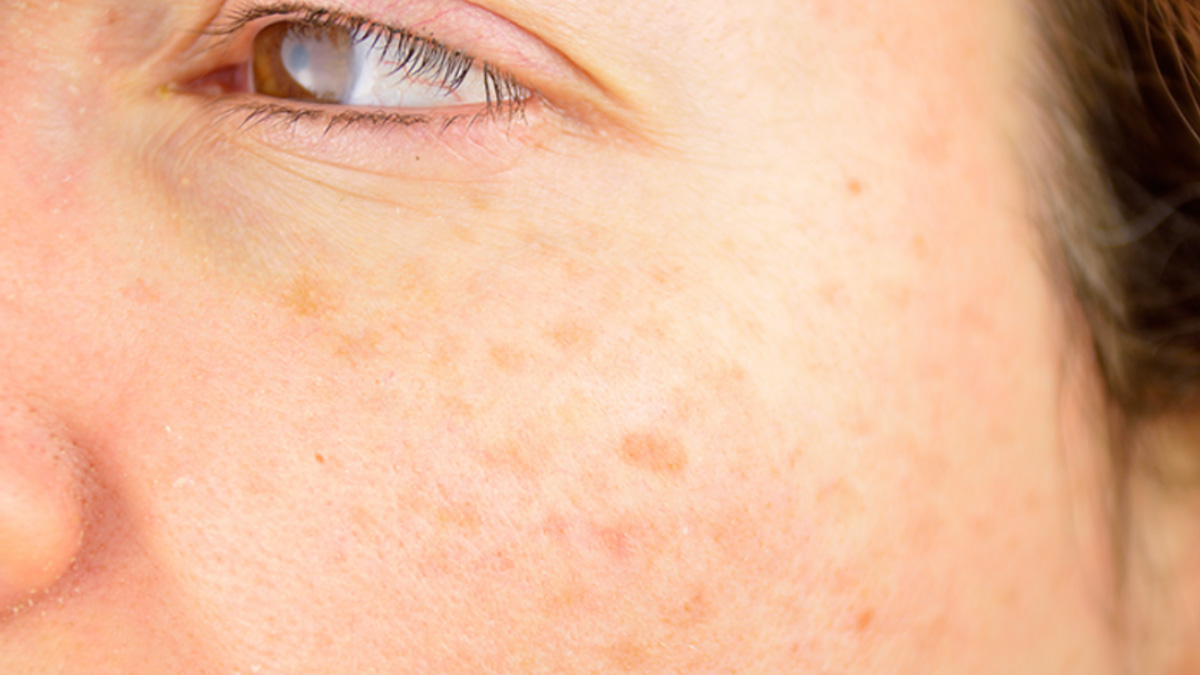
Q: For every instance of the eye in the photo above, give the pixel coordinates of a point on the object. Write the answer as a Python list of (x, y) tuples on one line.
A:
[(357, 66), (415, 88)]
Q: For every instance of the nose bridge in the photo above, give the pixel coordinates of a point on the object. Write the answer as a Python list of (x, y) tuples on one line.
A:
[(41, 524)]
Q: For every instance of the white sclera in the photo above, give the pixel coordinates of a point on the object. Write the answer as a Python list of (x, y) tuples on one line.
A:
[(378, 83)]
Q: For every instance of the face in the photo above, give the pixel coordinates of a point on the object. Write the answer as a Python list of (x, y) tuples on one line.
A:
[(721, 343)]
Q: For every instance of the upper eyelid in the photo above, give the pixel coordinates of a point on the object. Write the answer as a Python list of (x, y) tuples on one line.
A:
[(317, 16)]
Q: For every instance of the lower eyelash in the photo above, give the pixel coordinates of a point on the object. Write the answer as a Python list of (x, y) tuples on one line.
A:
[(257, 113)]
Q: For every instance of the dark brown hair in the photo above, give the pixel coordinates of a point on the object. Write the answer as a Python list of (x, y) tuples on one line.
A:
[(1119, 174), (1125, 99)]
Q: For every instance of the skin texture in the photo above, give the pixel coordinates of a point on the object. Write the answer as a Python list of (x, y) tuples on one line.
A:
[(738, 355)]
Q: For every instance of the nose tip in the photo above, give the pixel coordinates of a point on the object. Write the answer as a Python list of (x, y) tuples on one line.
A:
[(41, 520)]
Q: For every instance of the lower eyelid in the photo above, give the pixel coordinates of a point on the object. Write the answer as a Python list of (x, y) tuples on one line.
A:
[(461, 148)]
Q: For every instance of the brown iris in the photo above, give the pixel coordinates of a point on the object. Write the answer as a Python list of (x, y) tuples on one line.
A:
[(304, 63)]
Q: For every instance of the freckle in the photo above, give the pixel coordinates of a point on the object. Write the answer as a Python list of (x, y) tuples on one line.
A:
[(141, 292), (456, 407), (697, 609), (508, 358), (840, 499), (654, 452), (463, 233), (854, 187), (570, 595), (569, 335), (524, 457), (366, 525), (307, 297), (463, 517), (320, 458), (478, 201), (920, 247), (864, 620), (831, 293), (629, 656), (358, 348), (616, 542), (663, 276)]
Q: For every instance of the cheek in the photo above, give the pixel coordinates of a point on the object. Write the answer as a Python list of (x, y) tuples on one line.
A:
[(548, 437)]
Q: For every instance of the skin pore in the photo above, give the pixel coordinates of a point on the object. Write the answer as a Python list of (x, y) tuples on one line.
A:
[(735, 352)]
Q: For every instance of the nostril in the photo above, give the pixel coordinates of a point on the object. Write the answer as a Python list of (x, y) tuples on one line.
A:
[(40, 514)]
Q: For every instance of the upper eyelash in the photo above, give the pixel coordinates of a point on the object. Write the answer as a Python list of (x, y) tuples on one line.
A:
[(418, 54)]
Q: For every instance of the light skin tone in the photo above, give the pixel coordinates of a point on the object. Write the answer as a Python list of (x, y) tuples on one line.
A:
[(735, 353)]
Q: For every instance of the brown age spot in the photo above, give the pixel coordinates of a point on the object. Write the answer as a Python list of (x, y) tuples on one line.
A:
[(460, 516), (629, 655), (523, 456), (308, 297), (832, 293), (358, 348), (570, 334), (840, 499), (695, 610), (508, 358), (456, 407), (616, 542), (654, 452), (568, 595), (920, 247), (141, 292), (478, 200), (864, 620)]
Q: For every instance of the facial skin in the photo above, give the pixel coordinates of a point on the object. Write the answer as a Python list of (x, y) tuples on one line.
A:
[(737, 355)]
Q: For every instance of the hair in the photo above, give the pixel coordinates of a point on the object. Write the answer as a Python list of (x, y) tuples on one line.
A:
[(1119, 185), (1128, 189)]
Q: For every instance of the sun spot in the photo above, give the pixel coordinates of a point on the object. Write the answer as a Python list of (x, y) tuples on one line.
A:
[(569, 595), (478, 201), (840, 499), (358, 348), (141, 292), (693, 611), (616, 542), (456, 407), (920, 247), (463, 234), (629, 655), (864, 620), (508, 358), (654, 452), (832, 293), (522, 456), (462, 517), (570, 334), (308, 297), (854, 187)]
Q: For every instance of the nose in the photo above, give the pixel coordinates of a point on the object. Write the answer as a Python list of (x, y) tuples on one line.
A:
[(41, 515)]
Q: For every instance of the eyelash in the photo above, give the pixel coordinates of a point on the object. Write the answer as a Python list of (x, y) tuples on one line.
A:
[(421, 56)]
